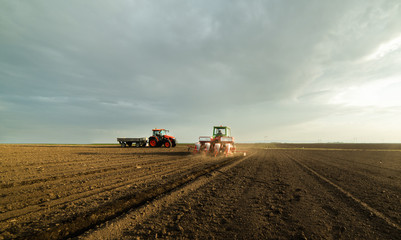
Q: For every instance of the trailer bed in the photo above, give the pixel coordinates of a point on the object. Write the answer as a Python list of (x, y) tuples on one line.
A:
[(138, 142)]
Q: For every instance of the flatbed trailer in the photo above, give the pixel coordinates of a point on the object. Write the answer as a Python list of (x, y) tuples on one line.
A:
[(129, 142)]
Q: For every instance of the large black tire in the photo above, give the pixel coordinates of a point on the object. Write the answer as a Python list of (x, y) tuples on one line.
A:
[(167, 143), (173, 144)]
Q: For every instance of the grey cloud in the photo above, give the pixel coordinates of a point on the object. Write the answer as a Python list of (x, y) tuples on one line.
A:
[(132, 64)]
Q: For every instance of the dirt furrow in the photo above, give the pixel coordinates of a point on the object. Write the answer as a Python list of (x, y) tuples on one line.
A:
[(349, 195), (268, 196), (282, 191), (61, 207), (80, 223), (86, 167), (76, 181), (42, 202), (375, 189), (372, 162)]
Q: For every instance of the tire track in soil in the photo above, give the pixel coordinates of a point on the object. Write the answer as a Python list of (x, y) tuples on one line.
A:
[(73, 172), (114, 229), (46, 214), (84, 193), (62, 168), (294, 203), (268, 196), (81, 192), (379, 188), (78, 224), (359, 202), (71, 198), (364, 166), (245, 202)]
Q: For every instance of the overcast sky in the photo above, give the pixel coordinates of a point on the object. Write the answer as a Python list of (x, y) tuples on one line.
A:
[(294, 71)]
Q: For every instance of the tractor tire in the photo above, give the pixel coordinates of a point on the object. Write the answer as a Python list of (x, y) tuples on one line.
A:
[(153, 142), (167, 143), (173, 144)]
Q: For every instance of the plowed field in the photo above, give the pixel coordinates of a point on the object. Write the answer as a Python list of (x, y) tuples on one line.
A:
[(275, 192)]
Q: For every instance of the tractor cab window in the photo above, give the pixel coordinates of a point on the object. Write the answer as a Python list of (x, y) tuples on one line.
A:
[(159, 133), (220, 131)]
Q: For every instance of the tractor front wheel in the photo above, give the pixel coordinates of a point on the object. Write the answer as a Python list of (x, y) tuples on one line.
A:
[(167, 143)]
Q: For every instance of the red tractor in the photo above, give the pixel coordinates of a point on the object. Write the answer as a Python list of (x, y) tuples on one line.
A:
[(160, 138)]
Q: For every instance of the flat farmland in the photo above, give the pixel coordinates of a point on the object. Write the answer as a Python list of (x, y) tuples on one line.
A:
[(52, 191), (278, 191)]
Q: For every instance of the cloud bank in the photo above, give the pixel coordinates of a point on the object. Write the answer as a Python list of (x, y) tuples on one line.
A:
[(82, 72)]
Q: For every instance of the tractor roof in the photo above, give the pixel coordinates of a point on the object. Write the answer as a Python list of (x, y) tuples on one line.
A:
[(221, 126)]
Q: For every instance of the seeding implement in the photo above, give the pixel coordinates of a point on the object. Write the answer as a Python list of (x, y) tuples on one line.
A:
[(221, 142)]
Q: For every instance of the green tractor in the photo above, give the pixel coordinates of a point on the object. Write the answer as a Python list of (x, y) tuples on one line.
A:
[(221, 141)]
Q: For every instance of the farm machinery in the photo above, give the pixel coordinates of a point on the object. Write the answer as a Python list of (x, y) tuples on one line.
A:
[(221, 142), (158, 139)]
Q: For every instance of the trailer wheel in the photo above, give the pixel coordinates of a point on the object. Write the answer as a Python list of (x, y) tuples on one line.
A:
[(167, 143)]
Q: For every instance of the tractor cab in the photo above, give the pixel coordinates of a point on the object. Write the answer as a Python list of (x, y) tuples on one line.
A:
[(159, 132), (221, 131)]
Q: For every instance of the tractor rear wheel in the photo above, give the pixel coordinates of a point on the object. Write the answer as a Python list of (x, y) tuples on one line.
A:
[(167, 143), (152, 142)]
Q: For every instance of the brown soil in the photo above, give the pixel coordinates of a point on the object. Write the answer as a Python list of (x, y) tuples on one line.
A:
[(277, 192)]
